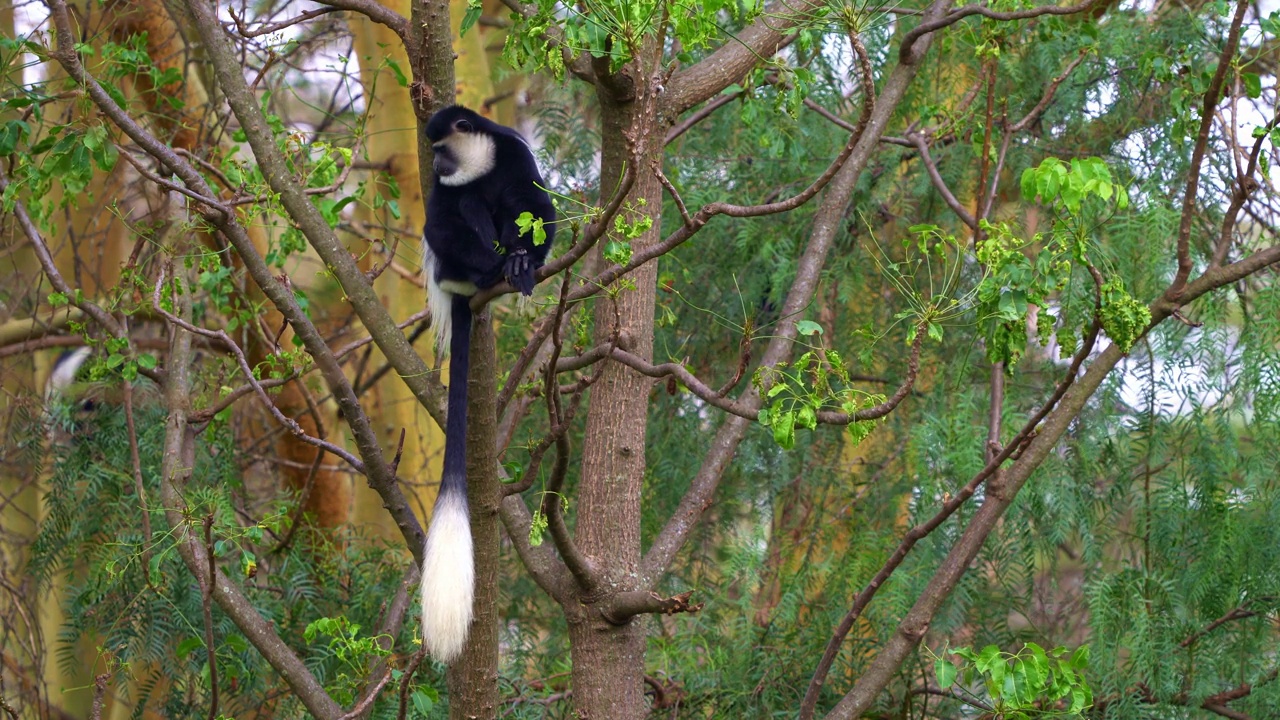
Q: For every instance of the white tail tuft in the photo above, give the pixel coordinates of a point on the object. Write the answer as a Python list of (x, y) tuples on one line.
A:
[(448, 578), (438, 300)]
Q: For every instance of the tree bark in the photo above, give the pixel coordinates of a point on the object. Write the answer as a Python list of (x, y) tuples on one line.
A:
[(473, 678), (608, 659)]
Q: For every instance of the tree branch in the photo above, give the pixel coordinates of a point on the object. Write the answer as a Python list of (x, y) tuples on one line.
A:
[(176, 466), (826, 222), (380, 477), (1211, 98), (731, 62), (908, 41), (375, 11), (619, 608), (922, 147), (368, 306), (1001, 494)]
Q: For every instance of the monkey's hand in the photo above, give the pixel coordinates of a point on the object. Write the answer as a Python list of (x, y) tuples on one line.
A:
[(519, 270)]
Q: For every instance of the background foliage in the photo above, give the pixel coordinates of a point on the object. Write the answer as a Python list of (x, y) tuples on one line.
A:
[(1151, 535)]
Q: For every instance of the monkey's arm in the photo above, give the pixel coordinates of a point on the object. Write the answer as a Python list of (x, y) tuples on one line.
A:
[(523, 255), (478, 218)]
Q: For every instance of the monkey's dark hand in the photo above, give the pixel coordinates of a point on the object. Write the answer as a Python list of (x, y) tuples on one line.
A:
[(519, 270)]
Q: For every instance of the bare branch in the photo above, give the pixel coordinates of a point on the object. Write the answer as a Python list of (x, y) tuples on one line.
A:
[(206, 610), (102, 317), (1238, 613), (1050, 90), (268, 28), (922, 530), (826, 220), (619, 608), (366, 303), (703, 113), (289, 423), (1211, 98), (733, 60), (381, 326), (375, 11), (922, 147), (908, 48)]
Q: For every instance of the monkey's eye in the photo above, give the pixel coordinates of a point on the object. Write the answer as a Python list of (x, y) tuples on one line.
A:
[(463, 126)]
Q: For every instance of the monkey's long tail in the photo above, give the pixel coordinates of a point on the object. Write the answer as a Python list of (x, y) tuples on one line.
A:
[(448, 566)]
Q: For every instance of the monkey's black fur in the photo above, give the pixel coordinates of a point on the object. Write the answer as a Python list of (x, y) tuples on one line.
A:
[(484, 178), (465, 221)]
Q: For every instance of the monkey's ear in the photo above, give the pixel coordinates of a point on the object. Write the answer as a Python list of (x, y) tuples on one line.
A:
[(463, 126)]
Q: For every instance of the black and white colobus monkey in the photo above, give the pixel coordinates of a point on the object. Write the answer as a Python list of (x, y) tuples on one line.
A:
[(485, 177)]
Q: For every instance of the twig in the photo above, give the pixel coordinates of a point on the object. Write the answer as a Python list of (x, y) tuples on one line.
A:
[(289, 423), (907, 48), (864, 597), (367, 701), (1238, 613), (269, 28), (138, 487), (206, 608), (1211, 97), (405, 679), (99, 695)]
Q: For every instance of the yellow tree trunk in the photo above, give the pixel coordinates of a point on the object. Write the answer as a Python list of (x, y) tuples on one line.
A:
[(392, 145)]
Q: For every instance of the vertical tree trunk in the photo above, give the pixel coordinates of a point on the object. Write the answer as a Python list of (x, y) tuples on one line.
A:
[(25, 684), (391, 139), (473, 678), (608, 659)]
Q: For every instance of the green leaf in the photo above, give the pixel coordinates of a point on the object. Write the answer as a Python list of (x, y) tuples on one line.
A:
[(1252, 84), (946, 673), (474, 8), (987, 658), (422, 703), (147, 361), (1081, 698), (188, 644), (1080, 658), (236, 642), (784, 430), (808, 327), (401, 79), (966, 653), (11, 135)]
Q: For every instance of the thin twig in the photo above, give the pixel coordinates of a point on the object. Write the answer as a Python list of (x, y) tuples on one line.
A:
[(1211, 97), (407, 678), (289, 423), (136, 460), (367, 701), (206, 608)]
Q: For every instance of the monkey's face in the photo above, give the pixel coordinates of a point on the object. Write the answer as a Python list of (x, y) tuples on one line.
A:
[(463, 154)]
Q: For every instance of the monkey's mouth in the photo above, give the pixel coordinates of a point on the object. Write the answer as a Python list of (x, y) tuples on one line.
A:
[(444, 163)]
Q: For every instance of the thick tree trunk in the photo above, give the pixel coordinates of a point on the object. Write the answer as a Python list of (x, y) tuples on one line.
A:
[(608, 659), (473, 679)]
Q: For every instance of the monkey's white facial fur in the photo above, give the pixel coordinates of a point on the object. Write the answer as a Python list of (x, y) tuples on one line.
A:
[(472, 155)]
